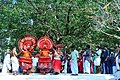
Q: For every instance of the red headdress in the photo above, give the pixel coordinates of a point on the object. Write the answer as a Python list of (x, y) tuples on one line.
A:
[(28, 42), (45, 43)]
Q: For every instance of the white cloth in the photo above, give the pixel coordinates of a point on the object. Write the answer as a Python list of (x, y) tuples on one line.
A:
[(74, 64), (65, 67), (15, 63), (57, 56), (114, 69), (6, 64), (98, 59), (86, 66), (117, 64), (34, 60)]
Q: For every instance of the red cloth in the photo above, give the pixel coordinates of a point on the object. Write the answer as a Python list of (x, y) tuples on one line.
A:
[(25, 66), (80, 66), (57, 65), (44, 64), (44, 59), (25, 60)]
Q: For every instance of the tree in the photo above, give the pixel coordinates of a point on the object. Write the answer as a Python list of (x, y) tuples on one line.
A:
[(77, 22)]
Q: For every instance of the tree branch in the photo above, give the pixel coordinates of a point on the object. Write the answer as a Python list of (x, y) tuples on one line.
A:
[(118, 37), (68, 19)]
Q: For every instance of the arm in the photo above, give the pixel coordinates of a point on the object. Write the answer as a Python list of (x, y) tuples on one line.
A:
[(30, 54), (15, 52), (87, 53)]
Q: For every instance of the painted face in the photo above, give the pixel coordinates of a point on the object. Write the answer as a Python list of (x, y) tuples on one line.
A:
[(28, 46), (44, 46)]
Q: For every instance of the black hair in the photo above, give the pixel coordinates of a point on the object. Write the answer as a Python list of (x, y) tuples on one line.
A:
[(98, 47), (54, 47), (88, 46), (12, 47), (73, 47)]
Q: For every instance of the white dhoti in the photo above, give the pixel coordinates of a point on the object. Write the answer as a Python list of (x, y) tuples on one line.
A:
[(74, 67), (97, 61), (6, 64), (65, 67), (86, 66), (34, 64), (15, 64), (114, 69), (74, 64), (117, 64)]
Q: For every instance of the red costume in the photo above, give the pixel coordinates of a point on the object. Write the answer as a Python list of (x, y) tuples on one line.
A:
[(57, 61), (44, 63), (26, 45), (57, 64)]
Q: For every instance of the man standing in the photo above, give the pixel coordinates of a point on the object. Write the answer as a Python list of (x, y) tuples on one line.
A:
[(14, 60), (35, 61), (105, 59), (117, 56), (87, 58), (97, 59), (74, 64), (6, 65)]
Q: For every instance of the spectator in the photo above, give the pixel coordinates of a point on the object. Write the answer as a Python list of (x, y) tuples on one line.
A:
[(113, 62), (117, 56), (34, 65), (15, 64), (74, 64), (6, 63), (87, 58), (97, 59), (106, 61)]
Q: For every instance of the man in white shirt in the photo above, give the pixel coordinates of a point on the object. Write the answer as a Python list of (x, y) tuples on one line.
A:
[(74, 64)]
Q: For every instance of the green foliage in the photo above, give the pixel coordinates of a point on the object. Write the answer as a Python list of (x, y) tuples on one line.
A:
[(73, 21)]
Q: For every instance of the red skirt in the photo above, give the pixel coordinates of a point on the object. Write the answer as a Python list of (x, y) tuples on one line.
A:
[(57, 65), (44, 64), (25, 66)]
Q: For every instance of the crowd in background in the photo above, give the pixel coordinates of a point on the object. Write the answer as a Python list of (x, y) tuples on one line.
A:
[(102, 60)]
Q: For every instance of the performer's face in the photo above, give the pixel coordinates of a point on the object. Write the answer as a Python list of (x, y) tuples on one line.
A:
[(28, 47), (58, 49)]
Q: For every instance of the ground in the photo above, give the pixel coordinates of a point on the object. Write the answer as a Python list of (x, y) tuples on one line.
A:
[(38, 76)]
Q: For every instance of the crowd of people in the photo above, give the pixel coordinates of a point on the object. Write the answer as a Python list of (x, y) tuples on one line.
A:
[(87, 61), (102, 60)]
